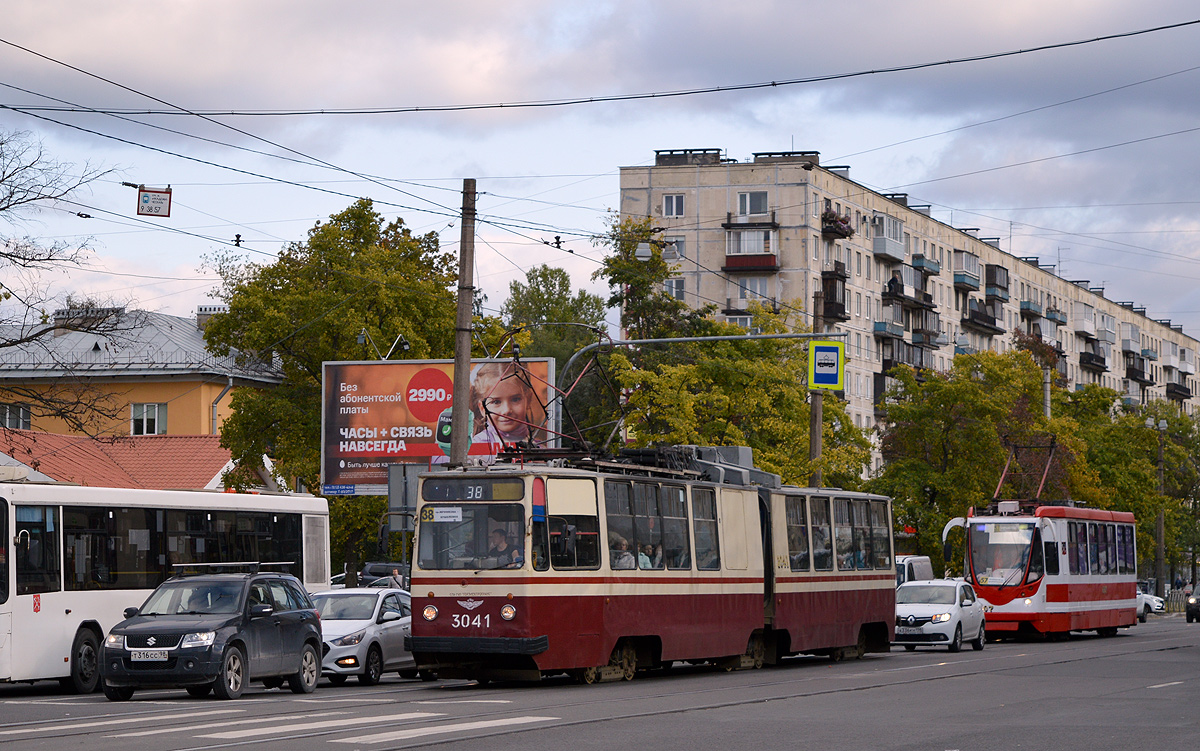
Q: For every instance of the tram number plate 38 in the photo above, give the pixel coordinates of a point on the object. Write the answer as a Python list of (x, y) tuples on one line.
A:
[(146, 655)]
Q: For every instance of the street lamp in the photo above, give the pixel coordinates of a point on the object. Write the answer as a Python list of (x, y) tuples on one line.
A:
[(1160, 526)]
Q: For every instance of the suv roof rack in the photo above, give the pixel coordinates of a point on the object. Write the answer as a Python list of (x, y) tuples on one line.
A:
[(234, 567)]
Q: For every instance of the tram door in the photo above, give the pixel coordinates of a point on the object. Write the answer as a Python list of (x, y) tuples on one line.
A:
[(768, 549)]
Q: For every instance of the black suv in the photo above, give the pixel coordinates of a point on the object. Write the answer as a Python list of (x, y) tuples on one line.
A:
[(216, 632)]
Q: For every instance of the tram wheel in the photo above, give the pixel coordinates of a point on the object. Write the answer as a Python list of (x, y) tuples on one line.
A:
[(860, 648), (1107, 631), (626, 660), (587, 676)]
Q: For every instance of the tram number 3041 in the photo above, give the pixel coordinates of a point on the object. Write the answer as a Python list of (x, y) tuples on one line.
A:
[(466, 620)]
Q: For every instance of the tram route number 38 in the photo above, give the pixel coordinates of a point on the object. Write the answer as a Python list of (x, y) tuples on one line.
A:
[(466, 620)]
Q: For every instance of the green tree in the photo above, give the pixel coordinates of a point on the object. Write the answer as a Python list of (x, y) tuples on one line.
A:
[(354, 272)]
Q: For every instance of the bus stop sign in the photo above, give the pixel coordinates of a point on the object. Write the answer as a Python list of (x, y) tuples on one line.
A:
[(826, 365)]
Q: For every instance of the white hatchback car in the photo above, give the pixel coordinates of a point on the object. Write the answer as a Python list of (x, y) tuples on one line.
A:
[(942, 612), (364, 632)]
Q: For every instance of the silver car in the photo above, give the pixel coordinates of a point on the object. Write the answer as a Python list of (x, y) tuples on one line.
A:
[(364, 632)]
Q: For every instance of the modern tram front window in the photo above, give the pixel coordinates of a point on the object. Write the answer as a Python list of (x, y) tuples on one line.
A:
[(1000, 551), (466, 535)]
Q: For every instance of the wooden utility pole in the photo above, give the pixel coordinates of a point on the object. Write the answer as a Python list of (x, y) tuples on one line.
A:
[(816, 415), (460, 440)]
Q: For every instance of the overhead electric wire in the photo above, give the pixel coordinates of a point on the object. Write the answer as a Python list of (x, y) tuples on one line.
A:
[(570, 101)]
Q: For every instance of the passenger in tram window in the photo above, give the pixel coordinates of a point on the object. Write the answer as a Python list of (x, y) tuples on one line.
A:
[(621, 557)]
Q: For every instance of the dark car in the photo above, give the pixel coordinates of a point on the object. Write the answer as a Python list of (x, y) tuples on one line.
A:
[(376, 570), (1192, 610), (216, 632)]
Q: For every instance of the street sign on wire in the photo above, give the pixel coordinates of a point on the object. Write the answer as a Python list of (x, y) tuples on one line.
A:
[(154, 202), (827, 365)]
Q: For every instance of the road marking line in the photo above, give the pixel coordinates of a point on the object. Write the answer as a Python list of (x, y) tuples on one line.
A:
[(400, 735), (1164, 685), (340, 701), (348, 723), (464, 701), (190, 728), (41, 728)]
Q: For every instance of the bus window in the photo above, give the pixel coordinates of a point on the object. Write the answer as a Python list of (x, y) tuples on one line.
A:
[(797, 533), (647, 526), (822, 541), (111, 548), (618, 504), (3, 551), (673, 504), (882, 541), (36, 550), (843, 534), (704, 512), (1093, 548)]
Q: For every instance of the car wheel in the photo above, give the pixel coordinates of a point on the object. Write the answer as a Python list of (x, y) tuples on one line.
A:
[(85, 663), (980, 640), (118, 693), (1190, 617), (199, 691), (337, 680), (956, 642), (273, 682), (428, 675), (305, 679), (231, 681), (910, 647), (408, 673), (1144, 615), (373, 669)]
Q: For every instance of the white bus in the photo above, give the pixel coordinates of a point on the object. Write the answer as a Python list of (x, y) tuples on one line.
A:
[(73, 558)]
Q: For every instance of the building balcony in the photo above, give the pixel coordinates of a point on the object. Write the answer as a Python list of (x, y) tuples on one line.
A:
[(1134, 373), (965, 349), (751, 262), (1056, 316), (1186, 365), (982, 322), (927, 266), (1131, 345), (749, 221), (834, 311), (1170, 362), (1150, 354), (997, 293), (889, 330), (835, 270), (1109, 336), (1085, 327), (1178, 391), (887, 250), (1092, 361), (1031, 309), (929, 339), (965, 280), (836, 226)]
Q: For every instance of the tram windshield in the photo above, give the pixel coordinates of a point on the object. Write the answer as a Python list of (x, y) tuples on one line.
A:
[(478, 536), (1000, 551)]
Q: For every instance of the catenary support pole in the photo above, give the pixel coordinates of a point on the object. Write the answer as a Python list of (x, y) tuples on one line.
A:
[(459, 440)]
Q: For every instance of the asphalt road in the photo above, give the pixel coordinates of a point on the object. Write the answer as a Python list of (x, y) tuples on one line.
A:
[(1139, 689)]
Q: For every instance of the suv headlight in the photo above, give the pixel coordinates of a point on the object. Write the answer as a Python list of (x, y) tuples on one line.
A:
[(349, 640), (941, 618), (198, 639), (115, 641), (1191, 601)]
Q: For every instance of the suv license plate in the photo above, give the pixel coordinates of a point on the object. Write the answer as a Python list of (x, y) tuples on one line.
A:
[(146, 655)]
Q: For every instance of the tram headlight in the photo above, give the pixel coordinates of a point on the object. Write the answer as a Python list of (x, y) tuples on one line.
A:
[(1028, 602), (508, 612), (429, 612), (941, 618), (115, 641), (200, 639)]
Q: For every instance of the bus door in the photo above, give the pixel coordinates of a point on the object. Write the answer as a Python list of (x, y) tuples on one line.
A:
[(39, 608), (5, 606)]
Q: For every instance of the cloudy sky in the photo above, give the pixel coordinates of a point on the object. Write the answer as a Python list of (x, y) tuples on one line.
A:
[(1085, 155)]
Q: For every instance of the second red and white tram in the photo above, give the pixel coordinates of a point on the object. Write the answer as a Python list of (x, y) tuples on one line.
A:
[(626, 566), (1052, 569)]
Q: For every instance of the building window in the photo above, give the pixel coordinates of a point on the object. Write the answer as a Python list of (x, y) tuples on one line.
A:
[(675, 288), (744, 321), (672, 248), (752, 203), (148, 419), (14, 416), (753, 288), (673, 204), (749, 242)]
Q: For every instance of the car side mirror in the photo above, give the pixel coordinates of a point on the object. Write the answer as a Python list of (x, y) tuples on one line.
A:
[(131, 612), (967, 603), (261, 610), (389, 616)]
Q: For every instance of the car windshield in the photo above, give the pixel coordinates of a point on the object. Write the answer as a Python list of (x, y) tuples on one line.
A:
[(999, 551), (925, 594), (356, 607), (194, 597)]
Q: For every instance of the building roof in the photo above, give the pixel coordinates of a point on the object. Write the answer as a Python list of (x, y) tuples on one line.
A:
[(143, 344), (151, 461)]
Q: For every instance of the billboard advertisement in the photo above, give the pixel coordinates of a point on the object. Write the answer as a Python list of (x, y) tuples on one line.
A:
[(379, 413)]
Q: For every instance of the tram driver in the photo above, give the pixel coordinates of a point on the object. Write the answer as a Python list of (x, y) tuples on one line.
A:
[(506, 554)]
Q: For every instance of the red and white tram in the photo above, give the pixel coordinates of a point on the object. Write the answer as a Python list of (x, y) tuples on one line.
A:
[(627, 566), (1052, 569)]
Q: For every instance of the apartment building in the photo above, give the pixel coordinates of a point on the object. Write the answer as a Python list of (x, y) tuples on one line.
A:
[(904, 287)]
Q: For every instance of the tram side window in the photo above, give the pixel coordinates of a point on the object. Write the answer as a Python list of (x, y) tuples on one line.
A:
[(1112, 549), (704, 513), (647, 526), (676, 551), (1072, 551), (880, 526), (1036, 558), (864, 554), (843, 534), (1081, 546), (3, 552), (618, 504), (1102, 545), (1051, 548), (35, 549), (1128, 546), (1093, 548), (1122, 566), (822, 540), (797, 533)]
